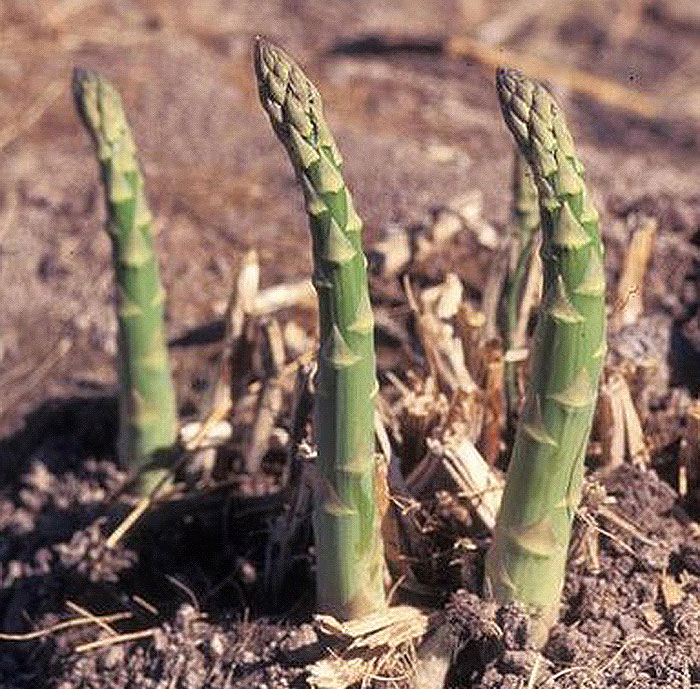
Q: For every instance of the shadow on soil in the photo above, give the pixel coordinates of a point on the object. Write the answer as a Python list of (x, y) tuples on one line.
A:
[(65, 431), (61, 499)]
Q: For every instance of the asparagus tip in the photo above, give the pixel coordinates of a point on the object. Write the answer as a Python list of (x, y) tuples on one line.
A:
[(266, 55), (80, 84)]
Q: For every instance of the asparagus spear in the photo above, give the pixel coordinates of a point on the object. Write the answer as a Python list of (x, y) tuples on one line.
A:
[(349, 570), (526, 216), (147, 407), (527, 559)]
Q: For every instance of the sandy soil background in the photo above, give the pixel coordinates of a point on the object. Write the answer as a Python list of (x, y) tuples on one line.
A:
[(418, 125)]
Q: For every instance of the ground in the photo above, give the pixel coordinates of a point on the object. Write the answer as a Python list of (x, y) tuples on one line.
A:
[(418, 126)]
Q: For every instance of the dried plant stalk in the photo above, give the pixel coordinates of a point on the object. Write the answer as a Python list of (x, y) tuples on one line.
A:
[(630, 288), (690, 448), (526, 217), (610, 423), (270, 399)]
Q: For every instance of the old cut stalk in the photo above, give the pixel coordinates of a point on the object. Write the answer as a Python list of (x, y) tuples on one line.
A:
[(346, 523), (147, 407), (526, 219), (527, 559)]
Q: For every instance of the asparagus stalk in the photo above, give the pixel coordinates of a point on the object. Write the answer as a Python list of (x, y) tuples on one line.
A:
[(147, 407), (526, 217), (527, 558), (349, 569)]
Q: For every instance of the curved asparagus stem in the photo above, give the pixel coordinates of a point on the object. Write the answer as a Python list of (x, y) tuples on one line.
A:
[(348, 544), (527, 559), (147, 407), (526, 217)]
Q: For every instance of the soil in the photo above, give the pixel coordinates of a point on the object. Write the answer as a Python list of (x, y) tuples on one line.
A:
[(630, 621), (418, 128)]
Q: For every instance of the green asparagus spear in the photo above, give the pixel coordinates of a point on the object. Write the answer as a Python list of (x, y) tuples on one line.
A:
[(147, 408), (346, 525), (527, 559), (526, 216)]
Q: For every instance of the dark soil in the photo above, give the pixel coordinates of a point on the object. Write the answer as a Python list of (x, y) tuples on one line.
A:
[(633, 621), (634, 616), (417, 128)]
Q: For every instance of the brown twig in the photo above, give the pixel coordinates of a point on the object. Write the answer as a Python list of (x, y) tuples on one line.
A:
[(602, 90)]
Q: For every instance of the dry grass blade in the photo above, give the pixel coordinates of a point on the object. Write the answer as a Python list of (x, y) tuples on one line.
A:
[(634, 436), (532, 293), (671, 591), (444, 352), (534, 672), (74, 607), (390, 628), (111, 640), (495, 403), (617, 423), (625, 525), (393, 253), (493, 289), (470, 327), (66, 624), (241, 307)]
